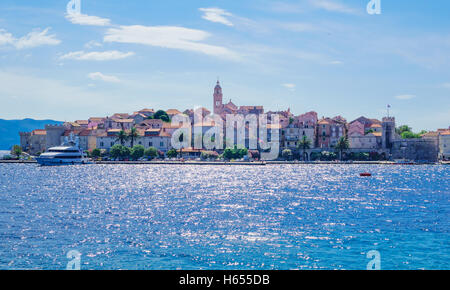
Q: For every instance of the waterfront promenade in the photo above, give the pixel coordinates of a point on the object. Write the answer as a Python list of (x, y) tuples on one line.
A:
[(254, 163)]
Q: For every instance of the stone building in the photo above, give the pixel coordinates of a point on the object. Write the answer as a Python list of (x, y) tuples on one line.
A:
[(414, 149), (329, 131), (34, 141), (444, 145)]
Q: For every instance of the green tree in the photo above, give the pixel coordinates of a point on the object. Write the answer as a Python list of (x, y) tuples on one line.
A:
[(409, 135), (137, 152), (315, 156), (133, 135), (162, 115), (287, 154), (234, 153), (151, 153), (327, 156), (172, 153), (304, 144), (96, 153), (342, 145), (241, 153), (403, 128), (228, 154), (125, 152), (209, 155), (122, 137), (16, 151), (116, 151)]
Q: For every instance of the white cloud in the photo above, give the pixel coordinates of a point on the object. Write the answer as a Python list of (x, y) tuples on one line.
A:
[(446, 85), (291, 87), (92, 44), (405, 97), (97, 55), (332, 6), (173, 37), (5, 37), (37, 38), (336, 62), (83, 19), (216, 15), (98, 76), (32, 39)]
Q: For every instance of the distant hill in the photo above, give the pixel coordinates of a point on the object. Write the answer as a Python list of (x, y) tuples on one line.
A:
[(9, 130)]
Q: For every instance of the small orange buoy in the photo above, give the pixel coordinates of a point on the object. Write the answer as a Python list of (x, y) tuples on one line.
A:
[(365, 174)]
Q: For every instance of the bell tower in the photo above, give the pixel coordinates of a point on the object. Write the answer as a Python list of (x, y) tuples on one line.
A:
[(218, 99)]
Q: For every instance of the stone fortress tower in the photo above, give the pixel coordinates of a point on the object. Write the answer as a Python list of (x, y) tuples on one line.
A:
[(388, 137), (54, 133)]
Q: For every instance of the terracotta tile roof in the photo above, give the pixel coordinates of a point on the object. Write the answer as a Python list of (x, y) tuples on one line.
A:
[(138, 114), (39, 132), (375, 126), (123, 120), (121, 115), (101, 134), (173, 112), (251, 107), (172, 126), (191, 150), (82, 122), (73, 124), (231, 106), (431, 134), (147, 110), (74, 132), (323, 122), (86, 133), (446, 133)]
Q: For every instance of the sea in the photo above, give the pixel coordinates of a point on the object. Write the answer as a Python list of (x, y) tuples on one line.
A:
[(224, 217)]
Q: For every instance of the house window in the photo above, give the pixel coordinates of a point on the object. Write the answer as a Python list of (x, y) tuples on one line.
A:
[(161, 144), (150, 143), (101, 144), (112, 143)]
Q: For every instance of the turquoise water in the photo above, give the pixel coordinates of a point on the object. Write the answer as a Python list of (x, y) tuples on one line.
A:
[(224, 217)]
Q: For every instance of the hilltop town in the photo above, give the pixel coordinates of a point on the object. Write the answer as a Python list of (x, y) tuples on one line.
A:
[(305, 136)]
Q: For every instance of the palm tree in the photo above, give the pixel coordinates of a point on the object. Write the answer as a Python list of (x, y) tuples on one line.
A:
[(342, 145), (122, 137), (133, 135), (304, 144)]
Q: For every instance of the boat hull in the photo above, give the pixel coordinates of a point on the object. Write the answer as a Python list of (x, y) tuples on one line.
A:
[(58, 161)]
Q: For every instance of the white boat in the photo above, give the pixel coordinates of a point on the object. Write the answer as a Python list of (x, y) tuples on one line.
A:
[(69, 153)]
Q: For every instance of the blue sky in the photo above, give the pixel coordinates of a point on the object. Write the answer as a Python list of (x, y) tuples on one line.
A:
[(325, 55)]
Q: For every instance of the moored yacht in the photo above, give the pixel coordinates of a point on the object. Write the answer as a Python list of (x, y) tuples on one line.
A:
[(68, 153)]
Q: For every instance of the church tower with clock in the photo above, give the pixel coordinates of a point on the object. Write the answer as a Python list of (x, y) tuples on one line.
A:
[(218, 99)]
